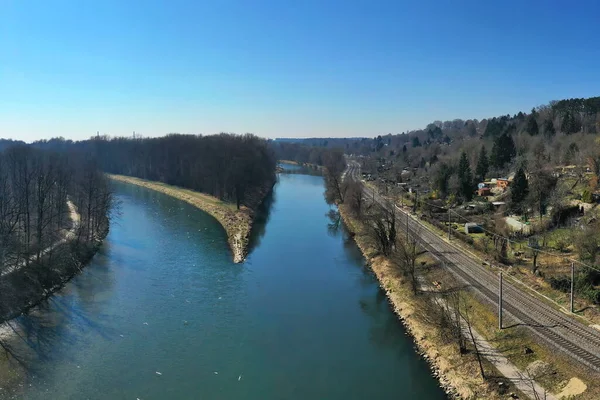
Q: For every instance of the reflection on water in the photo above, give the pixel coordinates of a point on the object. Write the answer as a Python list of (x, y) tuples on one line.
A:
[(302, 318), (261, 219), (299, 169)]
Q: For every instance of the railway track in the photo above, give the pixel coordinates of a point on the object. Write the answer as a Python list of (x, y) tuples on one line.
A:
[(565, 333)]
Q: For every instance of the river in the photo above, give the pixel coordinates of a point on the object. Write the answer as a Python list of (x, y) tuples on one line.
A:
[(163, 312)]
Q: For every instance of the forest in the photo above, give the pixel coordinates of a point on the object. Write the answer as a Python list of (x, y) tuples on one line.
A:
[(449, 158), (234, 168), (54, 210)]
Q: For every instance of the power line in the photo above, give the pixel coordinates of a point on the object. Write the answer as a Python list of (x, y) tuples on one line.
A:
[(504, 237)]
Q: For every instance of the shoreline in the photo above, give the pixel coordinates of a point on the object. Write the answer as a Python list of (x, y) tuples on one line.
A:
[(237, 223), (66, 270), (443, 361)]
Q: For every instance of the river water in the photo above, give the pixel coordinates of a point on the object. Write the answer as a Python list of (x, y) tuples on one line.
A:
[(162, 312)]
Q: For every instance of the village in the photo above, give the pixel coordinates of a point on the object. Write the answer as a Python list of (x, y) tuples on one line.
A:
[(526, 242)]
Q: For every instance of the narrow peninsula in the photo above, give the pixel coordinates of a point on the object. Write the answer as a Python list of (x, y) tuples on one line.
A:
[(237, 223)]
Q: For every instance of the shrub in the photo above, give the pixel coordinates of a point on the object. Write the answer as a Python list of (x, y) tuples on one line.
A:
[(562, 283), (587, 197)]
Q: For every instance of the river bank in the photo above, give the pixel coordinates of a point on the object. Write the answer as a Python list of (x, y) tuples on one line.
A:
[(458, 375), (237, 223), (27, 285)]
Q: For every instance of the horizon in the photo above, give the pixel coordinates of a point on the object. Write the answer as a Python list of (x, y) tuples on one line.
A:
[(310, 70)]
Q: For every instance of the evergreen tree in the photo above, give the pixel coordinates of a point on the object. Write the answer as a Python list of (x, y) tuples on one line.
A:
[(483, 165), (494, 127), (519, 189), (416, 142), (532, 126), (441, 179), (465, 178), (503, 151), (570, 124), (549, 130)]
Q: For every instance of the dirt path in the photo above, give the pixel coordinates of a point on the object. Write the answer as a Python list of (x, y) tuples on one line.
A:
[(527, 385), (70, 234)]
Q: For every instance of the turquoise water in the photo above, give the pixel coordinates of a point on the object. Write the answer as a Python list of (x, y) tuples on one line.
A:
[(301, 319)]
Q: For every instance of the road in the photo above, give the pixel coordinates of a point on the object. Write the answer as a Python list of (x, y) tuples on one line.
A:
[(567, 334)]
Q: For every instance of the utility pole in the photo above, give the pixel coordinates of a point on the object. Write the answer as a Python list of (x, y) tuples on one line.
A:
[(416, 200), (500, 303), (449, 224), (572, 285)]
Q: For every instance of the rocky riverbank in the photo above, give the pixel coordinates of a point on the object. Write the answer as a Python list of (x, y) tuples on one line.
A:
[(458, 378), (237, 223)]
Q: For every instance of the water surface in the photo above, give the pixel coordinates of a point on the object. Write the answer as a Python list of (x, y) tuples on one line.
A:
[(162, 312)]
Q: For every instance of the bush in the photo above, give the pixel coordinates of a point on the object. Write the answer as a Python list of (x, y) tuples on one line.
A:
[(587, 197), (562, 283), (562, 242)]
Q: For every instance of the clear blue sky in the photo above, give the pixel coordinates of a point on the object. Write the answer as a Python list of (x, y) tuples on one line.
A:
[(285, 68)]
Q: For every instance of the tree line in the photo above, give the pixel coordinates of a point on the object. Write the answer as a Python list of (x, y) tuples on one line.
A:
[(40, 191), (300, 152), (234, 168)]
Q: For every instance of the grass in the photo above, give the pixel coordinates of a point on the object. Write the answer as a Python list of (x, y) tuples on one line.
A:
[(237, 223)]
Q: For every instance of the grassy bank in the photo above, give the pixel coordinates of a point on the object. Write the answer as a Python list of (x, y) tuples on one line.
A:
[(237, 223)]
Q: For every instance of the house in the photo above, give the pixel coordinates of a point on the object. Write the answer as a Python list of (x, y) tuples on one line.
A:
[(502, 183), (484, 192)]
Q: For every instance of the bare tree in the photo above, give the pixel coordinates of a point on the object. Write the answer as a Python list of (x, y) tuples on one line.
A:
[(355, 197), (406, 254), (382, 221), (534, 247), (335, 164)]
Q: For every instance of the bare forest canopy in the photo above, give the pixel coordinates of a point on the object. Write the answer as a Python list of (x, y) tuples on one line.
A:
[(559, 133), (6, 143), (54, 212), (234, 168), (558, 118), (36, 187)]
